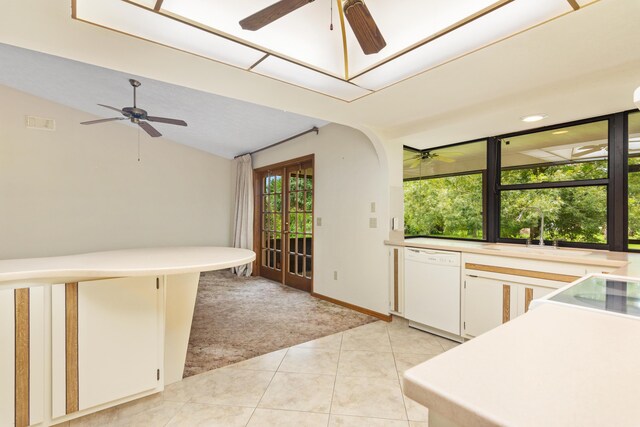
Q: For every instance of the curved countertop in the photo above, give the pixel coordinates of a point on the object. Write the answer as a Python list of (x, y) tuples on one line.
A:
[(122, 263)]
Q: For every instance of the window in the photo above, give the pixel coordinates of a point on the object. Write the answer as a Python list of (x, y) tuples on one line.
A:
[(584, 177), (560, 173), (572, 214), (444, 191), (634, 180)]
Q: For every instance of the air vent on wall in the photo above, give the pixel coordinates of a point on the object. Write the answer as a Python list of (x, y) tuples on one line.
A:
[(33, 122)]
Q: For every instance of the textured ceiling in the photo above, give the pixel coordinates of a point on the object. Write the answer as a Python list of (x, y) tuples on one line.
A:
[(218, 125)]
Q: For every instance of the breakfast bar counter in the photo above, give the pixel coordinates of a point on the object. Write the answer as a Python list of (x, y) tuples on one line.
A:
[(82, 333)]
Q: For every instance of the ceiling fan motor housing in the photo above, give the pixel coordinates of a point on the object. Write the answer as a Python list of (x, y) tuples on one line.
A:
[(134, 113)]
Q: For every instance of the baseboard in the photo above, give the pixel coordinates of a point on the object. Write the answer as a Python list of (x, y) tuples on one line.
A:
[(385, 317)]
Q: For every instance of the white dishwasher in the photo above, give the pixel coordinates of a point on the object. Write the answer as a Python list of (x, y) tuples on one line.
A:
[(432, 291)]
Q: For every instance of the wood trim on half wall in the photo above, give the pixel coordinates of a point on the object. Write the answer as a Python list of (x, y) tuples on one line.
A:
[(385, 317), (71, 347), (21, 298), (396, 272), (565, 278)]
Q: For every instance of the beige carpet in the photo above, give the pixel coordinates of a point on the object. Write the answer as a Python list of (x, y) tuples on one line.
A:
[(239, 318)]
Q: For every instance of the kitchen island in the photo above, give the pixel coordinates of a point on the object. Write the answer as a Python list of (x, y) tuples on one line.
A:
[(86, 332), (558, 365)]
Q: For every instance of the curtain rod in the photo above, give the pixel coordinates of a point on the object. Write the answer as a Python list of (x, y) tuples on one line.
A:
[(313, 129)]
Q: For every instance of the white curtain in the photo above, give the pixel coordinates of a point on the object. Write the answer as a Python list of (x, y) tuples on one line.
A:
[(243, 212)]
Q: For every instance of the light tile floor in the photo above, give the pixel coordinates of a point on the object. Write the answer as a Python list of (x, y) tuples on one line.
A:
[(348, 379)]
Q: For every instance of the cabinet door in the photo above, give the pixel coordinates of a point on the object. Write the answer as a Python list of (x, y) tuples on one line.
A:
[(527, 293), (22, 356), (488, 303), (108, 335), (7, 358)]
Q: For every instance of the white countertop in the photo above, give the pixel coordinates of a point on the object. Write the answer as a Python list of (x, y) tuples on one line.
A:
[(122, 263), (628, 264), (554, 366)]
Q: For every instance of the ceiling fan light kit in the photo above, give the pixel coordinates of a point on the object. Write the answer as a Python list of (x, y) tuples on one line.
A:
[(137, 115)]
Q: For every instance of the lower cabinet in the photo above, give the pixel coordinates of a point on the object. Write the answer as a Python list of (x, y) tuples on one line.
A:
[(488, 303), (106, 341), (21, 356)]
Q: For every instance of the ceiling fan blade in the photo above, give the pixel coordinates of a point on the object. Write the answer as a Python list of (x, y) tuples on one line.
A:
[(93, 122), (445, 159), (166, 120), (271, 13), (364, 27), (149, 129), (111, 108), (588, 149)]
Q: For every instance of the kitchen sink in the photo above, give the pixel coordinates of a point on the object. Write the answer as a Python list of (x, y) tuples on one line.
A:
[(538, 250)]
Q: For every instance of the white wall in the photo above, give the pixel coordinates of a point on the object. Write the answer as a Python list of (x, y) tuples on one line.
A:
[(81, 188), (348, 177)]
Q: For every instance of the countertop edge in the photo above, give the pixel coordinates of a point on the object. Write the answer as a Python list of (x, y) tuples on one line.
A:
[(84, 269), (583, 260)]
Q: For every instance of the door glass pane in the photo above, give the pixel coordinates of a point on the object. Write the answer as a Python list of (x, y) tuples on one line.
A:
[(277, 203), (309, 261), (293, 181), (278, 261), (292, 263), (292, 201), (571, 153)]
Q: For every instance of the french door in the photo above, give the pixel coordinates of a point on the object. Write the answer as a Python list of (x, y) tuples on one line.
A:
[(284, 222)]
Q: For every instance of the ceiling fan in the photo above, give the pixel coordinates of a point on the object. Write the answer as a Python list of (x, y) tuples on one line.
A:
[(362, 23), (427, 156), (137, 116), (588, 149)]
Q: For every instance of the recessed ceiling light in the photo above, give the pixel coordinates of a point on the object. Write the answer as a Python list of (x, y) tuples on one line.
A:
[(533, 118), (559, 132)]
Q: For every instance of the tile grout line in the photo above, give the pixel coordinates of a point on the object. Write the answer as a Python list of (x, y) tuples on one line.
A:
[(176, 414), (267, 387), (335, 380), (395, 364)]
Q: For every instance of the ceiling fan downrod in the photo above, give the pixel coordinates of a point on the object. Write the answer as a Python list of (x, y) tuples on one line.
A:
[(135, 84)]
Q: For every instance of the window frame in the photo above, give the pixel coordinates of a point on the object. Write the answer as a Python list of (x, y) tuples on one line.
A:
[(601, 182), (485, 201), (616, 183)]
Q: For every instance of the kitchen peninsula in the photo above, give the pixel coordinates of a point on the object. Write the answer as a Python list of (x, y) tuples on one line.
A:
[(89, 331), (554, 364)]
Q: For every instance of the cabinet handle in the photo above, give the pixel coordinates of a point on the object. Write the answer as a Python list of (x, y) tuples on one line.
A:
[(528, 297), (506, 303)]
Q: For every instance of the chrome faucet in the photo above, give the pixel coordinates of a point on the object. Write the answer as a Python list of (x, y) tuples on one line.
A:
[(541, 221)]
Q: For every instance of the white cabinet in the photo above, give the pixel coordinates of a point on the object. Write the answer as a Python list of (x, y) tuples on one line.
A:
[(21, 356), (488, 303), (485, 302), (106, 341)]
